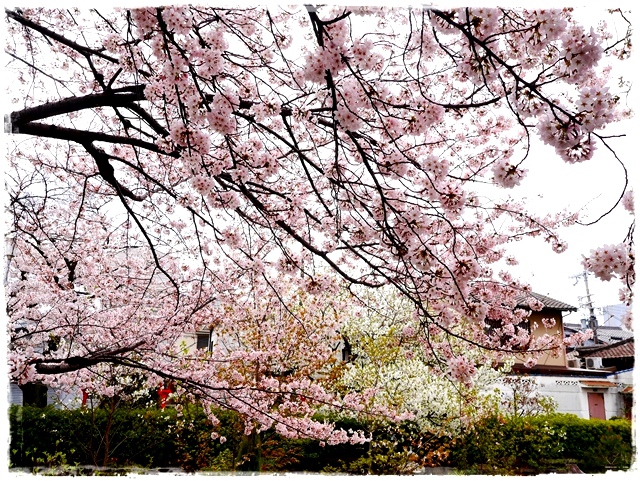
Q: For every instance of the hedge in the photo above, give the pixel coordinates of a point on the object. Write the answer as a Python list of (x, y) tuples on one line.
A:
[(596, 444), (124, 437), (543, 444), (154, 438)]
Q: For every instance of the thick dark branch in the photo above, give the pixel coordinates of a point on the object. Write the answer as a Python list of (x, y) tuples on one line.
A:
[(146, 116), (470, 105), (56, 366), (75, 363), (316, 23), (107, 172), (85, 136), (113, 98)]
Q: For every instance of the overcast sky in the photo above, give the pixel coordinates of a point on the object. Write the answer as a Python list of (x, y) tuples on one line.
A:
[(595, 186)]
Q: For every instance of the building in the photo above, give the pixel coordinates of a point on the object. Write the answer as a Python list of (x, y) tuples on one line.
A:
[(588, 381)]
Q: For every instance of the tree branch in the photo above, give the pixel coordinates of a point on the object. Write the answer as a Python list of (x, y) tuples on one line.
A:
[(84, 136), (112, 98)]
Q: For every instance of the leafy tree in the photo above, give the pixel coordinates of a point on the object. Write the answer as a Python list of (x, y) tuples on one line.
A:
[(183, 168)]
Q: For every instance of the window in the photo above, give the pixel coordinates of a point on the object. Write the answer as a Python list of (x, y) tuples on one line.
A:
[(347, 354), (203, 340), (34, 394)]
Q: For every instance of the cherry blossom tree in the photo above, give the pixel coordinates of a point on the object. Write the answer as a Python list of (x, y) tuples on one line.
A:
[(183, 168)]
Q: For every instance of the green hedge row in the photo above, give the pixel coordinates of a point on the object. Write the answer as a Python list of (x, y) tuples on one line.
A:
[(543, 444), (598, 444), (154, 438), (140, 437), (161, 438)]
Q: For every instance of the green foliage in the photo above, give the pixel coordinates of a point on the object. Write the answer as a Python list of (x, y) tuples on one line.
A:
[(542, 444), (46, 438), (394, 449), (597, 445), (192, 441), (138, 437), (505, 446), (316, 457)]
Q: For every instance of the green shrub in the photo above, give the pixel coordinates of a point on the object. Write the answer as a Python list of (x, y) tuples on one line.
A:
[(543, 444), (597, 445), (124, 437), (507, 446), (46, 437)]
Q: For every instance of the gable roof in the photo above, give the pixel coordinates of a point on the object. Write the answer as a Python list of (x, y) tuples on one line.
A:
[(548, 302), (610, 335)]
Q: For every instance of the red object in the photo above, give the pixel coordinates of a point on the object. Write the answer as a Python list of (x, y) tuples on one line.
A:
[(163, 394), (596, 405)]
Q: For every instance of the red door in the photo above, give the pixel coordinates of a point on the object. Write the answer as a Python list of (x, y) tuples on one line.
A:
[(596, 405)]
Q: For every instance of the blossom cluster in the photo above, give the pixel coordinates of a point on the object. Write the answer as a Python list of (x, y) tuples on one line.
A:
[(628, 201), (461, 369), (609, 261), (580, 53), (506, 174), (569, 138)]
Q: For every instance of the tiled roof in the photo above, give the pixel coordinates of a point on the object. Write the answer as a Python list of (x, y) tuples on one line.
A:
[(571, 355), (561, 371), (618, 350), (606, 334), (609, 335), (549, 303)]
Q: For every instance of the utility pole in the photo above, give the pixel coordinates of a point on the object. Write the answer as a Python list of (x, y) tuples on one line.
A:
[(593, 322), (9, 249)]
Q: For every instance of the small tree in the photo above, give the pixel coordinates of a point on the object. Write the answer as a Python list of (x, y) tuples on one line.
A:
[(521, 398), (390, 359)]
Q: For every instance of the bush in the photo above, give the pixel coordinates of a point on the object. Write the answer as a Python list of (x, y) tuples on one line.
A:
[(506, 446), (154, 438), (123, 437), (543, 444), (597, 445)]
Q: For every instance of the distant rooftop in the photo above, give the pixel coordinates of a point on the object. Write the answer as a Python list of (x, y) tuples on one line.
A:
[(606, 334)]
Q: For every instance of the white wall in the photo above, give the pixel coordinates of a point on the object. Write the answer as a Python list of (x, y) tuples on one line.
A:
[(571, 394), (15, 394)]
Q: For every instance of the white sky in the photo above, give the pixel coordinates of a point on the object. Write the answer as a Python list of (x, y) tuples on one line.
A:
[(595, 185)]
